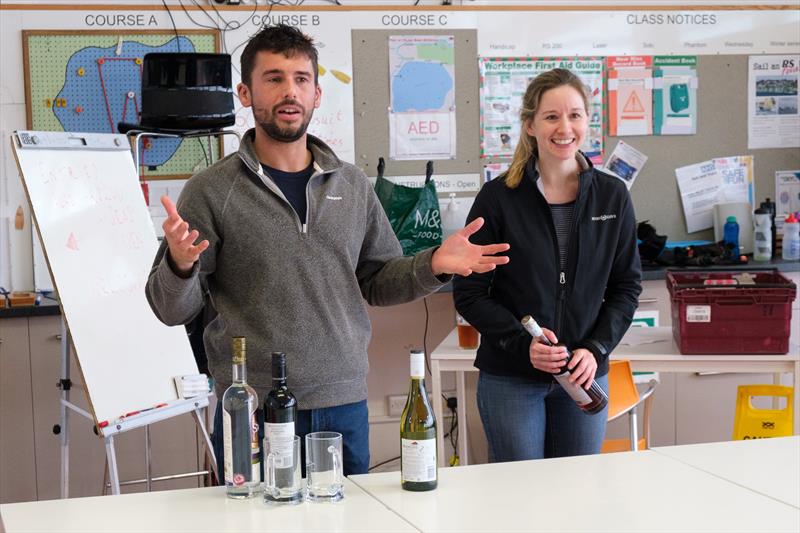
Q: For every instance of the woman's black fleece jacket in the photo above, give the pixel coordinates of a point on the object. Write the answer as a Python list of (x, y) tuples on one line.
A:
[(588, 305)]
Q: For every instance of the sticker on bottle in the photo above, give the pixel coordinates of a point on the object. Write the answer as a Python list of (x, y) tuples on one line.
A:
[(418, 458), (281, 442), (576, 392), (228, 447), (698, 313), (255, 451)]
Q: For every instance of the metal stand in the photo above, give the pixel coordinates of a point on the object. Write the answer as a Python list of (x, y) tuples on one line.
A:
[(136, 135), (197, 406)]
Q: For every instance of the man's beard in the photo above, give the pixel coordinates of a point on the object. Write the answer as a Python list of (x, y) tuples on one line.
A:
[(270, 125)]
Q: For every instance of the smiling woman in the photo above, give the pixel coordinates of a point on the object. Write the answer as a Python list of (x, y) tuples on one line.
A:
[(578, 278)]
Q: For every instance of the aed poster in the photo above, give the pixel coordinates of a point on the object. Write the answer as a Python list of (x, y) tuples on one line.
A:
[(422, 111), (503, 84)]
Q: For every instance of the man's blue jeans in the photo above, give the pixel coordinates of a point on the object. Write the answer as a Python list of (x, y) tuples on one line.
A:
[(351, 420), (524, 419)]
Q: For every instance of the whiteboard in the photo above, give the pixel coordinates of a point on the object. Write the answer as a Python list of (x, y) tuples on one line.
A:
[(99, 243), (42, 282)]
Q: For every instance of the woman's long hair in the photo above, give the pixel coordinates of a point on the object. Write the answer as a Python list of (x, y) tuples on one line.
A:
[(526, 145)]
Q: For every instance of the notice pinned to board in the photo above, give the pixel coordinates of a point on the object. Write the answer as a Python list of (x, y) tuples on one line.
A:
[(625, 163), (445, 183), (773, 120), (422, 113), (787, 191), (720, 180)]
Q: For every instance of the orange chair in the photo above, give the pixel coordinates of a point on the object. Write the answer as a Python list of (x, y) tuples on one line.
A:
[(624, 397)]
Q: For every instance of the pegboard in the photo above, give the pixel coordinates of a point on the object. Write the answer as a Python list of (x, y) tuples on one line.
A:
[(88, 81)]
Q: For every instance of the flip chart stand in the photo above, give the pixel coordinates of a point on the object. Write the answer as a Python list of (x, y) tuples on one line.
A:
[(99, 242), (197, 406)]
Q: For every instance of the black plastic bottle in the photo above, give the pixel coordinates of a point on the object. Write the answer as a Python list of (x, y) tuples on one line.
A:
[(591, 400), (770, 207)]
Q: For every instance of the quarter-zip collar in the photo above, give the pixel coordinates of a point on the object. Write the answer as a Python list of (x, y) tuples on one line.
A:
[(325, 162)]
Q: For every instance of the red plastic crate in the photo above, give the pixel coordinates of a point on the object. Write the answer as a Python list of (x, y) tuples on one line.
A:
[(712, 316)]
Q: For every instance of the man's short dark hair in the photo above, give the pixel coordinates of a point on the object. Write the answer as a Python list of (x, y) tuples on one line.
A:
[(279, 39)]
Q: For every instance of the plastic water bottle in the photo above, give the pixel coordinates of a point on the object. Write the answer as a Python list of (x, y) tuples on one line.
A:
[(451, 222), (791, 238), (731, 234), (762, 236)]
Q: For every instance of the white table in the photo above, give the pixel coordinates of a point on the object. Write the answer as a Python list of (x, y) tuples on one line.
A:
[(655, 351), (768, 466), (206, 509), (621, 492)]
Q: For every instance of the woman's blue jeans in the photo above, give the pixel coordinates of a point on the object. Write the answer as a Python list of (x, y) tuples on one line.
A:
[(524, 419)]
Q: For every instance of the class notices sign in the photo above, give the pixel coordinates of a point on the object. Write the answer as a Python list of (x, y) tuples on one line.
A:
[(503, 85)]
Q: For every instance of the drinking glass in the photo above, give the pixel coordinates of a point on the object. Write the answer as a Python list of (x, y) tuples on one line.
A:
[(324, 478), (467, 334), (283, 484)]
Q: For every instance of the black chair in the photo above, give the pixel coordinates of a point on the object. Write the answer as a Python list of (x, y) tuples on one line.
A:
[(184, 93)]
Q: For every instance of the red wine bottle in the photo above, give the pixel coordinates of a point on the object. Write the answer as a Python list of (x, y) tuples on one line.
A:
[(280, 415), (591, 400)]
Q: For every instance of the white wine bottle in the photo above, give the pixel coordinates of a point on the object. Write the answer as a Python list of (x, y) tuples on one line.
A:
[(591, 400), (240, 431), (418, 463)]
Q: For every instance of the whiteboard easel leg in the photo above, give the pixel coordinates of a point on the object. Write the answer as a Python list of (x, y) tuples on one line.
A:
[(111, 458), (63, 436), (198, 417), (147, 474), (105, 480)]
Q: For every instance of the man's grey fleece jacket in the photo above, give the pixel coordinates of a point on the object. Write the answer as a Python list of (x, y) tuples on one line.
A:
[(287, 286)]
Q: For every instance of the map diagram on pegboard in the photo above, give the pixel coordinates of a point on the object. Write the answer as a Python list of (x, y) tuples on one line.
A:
[(89, 81)]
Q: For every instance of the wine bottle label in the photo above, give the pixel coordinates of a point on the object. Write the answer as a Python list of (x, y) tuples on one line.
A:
[(418, 458), (576, 392), (281, 442), (226, 437)]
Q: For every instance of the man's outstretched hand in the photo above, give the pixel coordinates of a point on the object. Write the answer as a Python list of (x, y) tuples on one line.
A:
[(457, 255)]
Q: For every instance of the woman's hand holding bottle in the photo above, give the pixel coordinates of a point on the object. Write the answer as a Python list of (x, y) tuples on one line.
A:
[(582, 367), (546, 356)]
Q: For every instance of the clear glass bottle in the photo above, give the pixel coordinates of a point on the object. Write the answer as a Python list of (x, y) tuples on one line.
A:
[(591, 400), (280, 415), (418, 461), (240, 430)]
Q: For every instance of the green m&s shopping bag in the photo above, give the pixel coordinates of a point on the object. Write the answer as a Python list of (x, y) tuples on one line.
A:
[(412, 211)]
